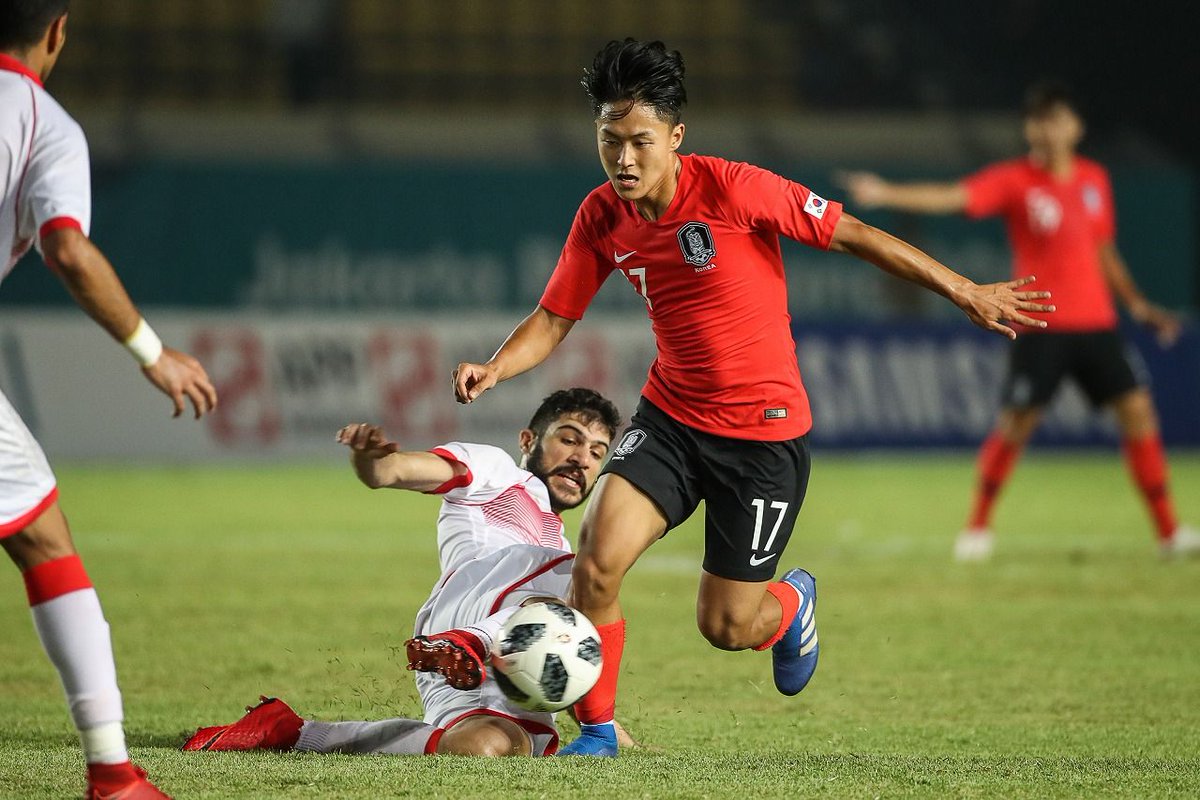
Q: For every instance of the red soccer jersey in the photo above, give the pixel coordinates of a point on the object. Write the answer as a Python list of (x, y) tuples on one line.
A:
[(712, 278), (1056, 228)]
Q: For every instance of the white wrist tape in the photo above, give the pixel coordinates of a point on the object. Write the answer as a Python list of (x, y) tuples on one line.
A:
[(144, 344)]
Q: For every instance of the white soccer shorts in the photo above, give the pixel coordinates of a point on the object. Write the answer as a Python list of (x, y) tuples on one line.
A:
[(27, 485)]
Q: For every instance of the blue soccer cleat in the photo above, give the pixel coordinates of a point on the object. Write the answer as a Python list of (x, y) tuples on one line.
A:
[(794, 657), (594, 740)]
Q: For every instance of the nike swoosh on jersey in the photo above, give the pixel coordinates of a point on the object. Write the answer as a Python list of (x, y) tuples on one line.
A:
[(755, 560), (619, 259)]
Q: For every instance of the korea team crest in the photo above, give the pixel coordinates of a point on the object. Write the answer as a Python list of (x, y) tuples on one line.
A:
[(696, 242), (629, 443)]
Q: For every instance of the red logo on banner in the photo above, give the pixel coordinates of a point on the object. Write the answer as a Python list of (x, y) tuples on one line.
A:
[(414, 385), (248, 412)]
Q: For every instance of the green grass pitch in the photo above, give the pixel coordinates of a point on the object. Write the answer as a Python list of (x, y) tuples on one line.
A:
[(1069, 666)]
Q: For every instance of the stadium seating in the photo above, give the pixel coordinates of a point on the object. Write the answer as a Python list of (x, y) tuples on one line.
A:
[(456, 53)]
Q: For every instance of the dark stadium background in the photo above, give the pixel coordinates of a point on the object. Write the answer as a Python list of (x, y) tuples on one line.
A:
[(393, 168)]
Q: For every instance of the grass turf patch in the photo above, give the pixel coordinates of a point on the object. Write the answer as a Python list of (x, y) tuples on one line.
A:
[(1065, 667)]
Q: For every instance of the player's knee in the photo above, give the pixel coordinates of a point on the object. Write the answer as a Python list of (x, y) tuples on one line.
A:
[(1135, 413), (1016, 425), (725, 631), (36, 545), (490, 737)]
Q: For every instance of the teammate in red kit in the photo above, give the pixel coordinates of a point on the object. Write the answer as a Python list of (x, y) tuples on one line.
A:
[(724, 415), (1058, 210)]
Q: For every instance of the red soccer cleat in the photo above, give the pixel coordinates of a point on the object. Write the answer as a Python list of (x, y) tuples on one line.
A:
[(270, 725), (449, 654), (140, 788)]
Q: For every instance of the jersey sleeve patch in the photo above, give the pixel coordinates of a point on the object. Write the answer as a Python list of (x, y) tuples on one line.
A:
[(816, 205)]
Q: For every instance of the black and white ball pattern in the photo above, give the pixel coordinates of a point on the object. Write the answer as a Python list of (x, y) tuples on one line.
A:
[(546, 657)]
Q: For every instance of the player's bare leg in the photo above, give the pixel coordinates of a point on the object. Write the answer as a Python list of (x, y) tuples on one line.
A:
[(620, 524), (1147, 462), (47, 538), (1136, 416), (736, 615), (997, 457), (75, 635), (485, 736), (780, 615)]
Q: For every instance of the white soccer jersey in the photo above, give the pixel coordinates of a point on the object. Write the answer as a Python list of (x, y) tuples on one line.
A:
[(46, 184), (44, 167), (502, 578), (494, 505)]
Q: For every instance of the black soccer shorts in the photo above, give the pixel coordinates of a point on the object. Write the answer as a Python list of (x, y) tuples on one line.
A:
[(1098, 361), (752, 490)]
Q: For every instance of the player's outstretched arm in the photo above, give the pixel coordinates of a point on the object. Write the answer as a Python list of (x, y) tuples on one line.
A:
[(989, 305), (868, 190), (95, 286), (525, 348), (1166, 326), (380, 463)]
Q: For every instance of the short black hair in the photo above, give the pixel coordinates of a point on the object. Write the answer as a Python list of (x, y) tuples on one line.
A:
[(23, 23), (1042, 97), (637, 72), (588, 404)]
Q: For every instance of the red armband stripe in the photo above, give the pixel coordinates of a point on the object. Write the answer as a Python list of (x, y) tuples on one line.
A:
[(457, 481), (52, 579), (58, 223)]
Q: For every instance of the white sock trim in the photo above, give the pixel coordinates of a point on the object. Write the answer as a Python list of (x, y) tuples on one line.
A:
[(104, 744)]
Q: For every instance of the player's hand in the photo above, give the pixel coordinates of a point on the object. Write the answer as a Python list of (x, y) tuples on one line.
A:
[(368, 441), (472, 380), (992, 304), (1166, 326), (866, 189), (178, 375)]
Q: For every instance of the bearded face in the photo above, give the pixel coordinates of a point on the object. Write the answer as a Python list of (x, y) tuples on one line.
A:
[(567, 458)]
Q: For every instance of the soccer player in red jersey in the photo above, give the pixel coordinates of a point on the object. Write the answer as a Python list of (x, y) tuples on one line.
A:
[(724, 415), (1058, 209)]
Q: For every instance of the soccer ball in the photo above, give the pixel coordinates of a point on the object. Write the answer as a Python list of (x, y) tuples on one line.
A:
[(546, 657)]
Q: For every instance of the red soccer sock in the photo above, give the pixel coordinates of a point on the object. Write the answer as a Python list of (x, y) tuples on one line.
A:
[(1148, 464), (997, 457), (789, 600), (599, 705), (52, 579), (110, 778)]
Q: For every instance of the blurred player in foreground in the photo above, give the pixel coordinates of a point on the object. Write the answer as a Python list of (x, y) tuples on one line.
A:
[(1058, 210), (501, 543), (723, 417), (46, 202)]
